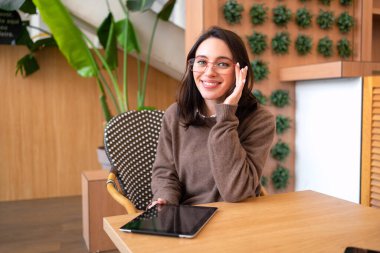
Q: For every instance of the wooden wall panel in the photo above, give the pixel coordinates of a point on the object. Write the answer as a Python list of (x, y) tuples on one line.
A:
[(51, 124), (213, 15)]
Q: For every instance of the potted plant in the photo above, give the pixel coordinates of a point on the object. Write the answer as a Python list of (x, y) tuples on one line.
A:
[(281, 15), (258, 14), (260, 70), (345, 22), (344, 48), (303, 18), (280, 43), (257, 43), (280, 151), (282, 124), (303, 44), (232, 12), (73, 44), (325, 46), (280, 98), (325, 19), (280, 177), (325, 2)]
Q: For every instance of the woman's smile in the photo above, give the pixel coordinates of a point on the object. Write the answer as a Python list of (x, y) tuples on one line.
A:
[(210, 84)]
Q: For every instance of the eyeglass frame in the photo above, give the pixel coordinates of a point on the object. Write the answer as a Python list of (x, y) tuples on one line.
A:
[(192, 60)]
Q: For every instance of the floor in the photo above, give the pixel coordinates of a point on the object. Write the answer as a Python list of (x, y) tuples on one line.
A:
[(46, 225)]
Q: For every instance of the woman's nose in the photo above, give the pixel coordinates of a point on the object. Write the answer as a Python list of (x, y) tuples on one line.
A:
[(210, 69)]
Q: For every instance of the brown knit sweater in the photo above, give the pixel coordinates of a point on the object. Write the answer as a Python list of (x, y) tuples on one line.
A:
[(222, 160)]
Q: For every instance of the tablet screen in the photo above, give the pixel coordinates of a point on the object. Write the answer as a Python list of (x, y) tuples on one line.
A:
[(172, 220)]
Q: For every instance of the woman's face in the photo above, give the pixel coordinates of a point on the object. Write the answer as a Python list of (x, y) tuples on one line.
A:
[(214, 58)]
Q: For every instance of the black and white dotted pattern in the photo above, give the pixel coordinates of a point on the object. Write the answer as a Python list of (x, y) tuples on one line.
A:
[(131, 141)]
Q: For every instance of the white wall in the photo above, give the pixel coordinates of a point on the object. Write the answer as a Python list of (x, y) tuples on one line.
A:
[(328, 137)]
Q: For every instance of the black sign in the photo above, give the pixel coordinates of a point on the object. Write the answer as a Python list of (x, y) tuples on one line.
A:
[(10, 26)]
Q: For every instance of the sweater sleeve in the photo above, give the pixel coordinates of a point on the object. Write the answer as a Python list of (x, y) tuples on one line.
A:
[(165, 182), (237, 161)]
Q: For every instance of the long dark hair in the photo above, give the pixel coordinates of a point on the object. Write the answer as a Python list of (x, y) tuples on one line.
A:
[(190, 100)]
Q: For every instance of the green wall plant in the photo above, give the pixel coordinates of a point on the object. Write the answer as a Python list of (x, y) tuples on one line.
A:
[(325, 19), (282, 124), (325, 46), (232, 11), (280, 43), (303, 44), (261, 98), (281, 15), (345, 22), (325, 2), (257, 43), (345, 2), (264, 181), (280, 177), (303, 18), (280, 151), (280, 98), (258, 14), (260, 70), (344, 48)]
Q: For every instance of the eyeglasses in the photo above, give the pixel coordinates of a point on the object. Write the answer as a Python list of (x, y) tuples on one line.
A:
[(221, 66)]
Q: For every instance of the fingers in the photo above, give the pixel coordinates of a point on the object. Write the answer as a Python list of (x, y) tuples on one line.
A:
[(237, 73), (159, 201), (240, 78)]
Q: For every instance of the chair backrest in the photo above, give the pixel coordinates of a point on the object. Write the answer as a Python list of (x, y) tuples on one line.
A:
[(130, 142)]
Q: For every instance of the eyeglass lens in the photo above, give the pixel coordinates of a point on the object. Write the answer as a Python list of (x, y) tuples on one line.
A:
[(221, 66)]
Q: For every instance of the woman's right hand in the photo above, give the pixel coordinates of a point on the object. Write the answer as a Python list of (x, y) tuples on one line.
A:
[(159, 201)]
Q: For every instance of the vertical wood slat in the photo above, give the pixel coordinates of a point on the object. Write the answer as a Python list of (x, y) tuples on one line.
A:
[(370, 176)]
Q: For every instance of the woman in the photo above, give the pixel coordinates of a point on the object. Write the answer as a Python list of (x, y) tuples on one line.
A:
[(215, 140)]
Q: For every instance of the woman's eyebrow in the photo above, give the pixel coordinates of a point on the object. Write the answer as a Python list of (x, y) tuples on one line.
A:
[(217, 58)]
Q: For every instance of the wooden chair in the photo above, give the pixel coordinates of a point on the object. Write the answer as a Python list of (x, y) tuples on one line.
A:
[(130, 142)]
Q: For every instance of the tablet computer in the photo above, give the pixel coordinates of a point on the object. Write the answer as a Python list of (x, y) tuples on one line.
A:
[(171, 220)]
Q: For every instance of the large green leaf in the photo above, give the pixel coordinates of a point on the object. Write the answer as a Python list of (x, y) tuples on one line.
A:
[(68, 36), (139, 5), (107, 37), (167, 10), (11, 5), (132, 42)]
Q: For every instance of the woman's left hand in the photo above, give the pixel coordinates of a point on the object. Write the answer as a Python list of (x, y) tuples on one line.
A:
[(240, 74)]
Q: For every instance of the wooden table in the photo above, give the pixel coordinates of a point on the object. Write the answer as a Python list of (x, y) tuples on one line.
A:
[(304, 221)]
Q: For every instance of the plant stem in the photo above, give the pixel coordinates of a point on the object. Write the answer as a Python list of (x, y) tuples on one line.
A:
[(103, 83), (139, 85), (103, 101), (40, 29), (148, 61), (108, 89), (109, 71)]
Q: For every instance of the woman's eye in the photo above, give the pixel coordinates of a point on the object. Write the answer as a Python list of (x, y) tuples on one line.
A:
[(223, 65), (201, 62)]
